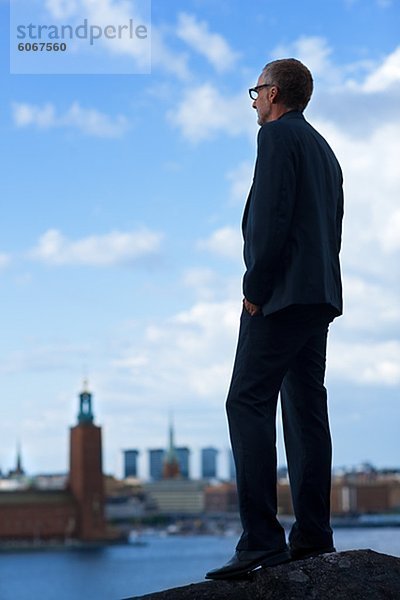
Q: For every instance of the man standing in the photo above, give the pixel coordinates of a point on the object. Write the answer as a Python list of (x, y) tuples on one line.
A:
[(292, 289)]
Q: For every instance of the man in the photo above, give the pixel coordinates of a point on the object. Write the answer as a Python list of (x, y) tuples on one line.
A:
[(292, 289)]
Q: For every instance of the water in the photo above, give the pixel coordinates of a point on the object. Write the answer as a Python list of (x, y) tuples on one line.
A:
[(118, 572)]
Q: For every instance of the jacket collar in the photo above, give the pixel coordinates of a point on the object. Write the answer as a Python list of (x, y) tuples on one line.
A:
[(292, 114)]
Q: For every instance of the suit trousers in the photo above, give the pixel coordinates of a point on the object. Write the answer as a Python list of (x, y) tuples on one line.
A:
[(284, 352)]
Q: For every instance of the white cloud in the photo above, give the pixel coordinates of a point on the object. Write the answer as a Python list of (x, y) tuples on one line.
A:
[(316, 53), (370, 308), (391, 233), (211, 45), (225, 242), (203, 281), (98, 250), (62, 9), (86, 120), (132, 363), (27, 114), (240, 179), (372, 189), (198, 363), (369, 362), (207, 284), (5, 260), (313, 51), (386, 75), (370, 256), (42, 357), (167, 59), (204, 112)]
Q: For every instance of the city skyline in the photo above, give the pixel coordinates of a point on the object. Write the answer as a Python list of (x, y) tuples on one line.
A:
[(120, 246), (149, 462)]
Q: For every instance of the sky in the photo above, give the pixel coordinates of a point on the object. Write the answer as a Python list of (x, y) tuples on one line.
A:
[(120, 248)]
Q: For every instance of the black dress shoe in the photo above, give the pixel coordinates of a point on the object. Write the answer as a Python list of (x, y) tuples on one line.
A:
[(245, 561), (303, 553)]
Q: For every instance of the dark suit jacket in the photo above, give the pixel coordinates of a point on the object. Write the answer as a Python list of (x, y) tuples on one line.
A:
[(292, 222)]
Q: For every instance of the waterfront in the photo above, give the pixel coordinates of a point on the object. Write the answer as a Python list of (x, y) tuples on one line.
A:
[(117, 572)]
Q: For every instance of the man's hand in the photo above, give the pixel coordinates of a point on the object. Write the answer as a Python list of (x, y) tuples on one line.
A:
[(252, 309)]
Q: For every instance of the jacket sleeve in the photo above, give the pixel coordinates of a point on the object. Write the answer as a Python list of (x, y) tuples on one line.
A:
[(269, 212), (339, 219)]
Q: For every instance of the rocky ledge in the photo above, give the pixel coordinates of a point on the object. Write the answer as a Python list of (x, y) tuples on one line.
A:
[(352, 575)]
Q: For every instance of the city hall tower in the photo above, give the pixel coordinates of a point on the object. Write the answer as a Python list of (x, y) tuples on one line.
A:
[(86, 472)]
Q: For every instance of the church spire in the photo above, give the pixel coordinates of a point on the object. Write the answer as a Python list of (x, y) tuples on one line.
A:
[(85, 414), (18, 468), (171, 464), (18, 471), (171, 447)]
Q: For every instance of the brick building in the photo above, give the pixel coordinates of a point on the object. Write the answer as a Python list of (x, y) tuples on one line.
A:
[(74, 513), (221, 498), (348, 496), (381, 495)]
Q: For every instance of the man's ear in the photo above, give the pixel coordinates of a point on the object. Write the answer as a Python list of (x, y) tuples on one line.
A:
[(274, 94)]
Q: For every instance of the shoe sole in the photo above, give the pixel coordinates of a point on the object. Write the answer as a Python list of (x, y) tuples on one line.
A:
[(271, 561)]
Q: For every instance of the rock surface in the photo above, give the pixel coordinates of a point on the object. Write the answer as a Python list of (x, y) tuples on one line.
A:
[(352, 575)]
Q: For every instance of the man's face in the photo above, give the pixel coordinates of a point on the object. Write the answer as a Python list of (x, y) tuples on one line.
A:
[(263, 103)]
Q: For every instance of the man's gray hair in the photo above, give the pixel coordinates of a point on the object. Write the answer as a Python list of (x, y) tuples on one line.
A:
[(294, 81)]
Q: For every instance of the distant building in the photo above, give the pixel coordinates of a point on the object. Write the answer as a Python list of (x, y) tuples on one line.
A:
[(284, 496), (183, 456), (176, 496), (171, 463), (125, 499), (350, 497), (74, 512), (221, 498), (173, 493), (171, 466), (55, 481), (283, 473), (156, 461), (86, 471), (209, 463), (16, 479), (18, 471), (231, 466), (130, 463)]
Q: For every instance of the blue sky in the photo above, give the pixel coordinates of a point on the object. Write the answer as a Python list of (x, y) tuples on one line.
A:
[(120, 249)]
